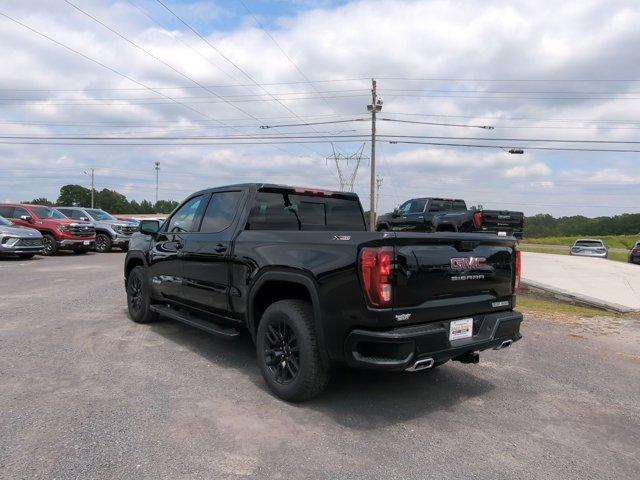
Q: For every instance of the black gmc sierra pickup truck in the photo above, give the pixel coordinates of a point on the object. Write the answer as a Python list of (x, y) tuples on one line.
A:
[(449, 215), (297, 269)]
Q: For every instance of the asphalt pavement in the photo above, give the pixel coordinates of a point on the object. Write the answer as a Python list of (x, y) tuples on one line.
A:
[(86, 393)]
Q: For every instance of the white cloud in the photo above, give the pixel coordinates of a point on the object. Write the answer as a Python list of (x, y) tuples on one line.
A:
[(386, 39)]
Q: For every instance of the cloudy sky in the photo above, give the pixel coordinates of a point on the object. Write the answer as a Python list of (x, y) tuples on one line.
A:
[(115, 77)]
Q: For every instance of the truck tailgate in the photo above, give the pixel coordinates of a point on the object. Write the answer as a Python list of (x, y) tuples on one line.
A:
[(451, 275), (498, 220)]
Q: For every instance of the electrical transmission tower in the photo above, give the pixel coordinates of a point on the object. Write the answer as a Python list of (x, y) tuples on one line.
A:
[(345, 178)]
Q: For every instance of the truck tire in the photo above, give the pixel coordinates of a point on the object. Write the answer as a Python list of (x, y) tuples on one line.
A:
[(138, 297), (50, 244), (288, 351), (103, 243)]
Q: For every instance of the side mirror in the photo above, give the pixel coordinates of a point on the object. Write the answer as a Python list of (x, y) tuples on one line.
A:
[(149, 227), (396, 212), (26, 218), (84, 219)]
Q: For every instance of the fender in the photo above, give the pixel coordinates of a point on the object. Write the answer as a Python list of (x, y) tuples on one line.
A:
[(133, 255), (105, 231), (299, 277)]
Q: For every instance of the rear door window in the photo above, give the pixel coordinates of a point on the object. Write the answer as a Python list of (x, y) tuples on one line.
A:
[(287, 211), (437, 206)]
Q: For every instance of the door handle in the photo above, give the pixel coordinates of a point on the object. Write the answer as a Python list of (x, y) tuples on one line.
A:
[(220, 248)]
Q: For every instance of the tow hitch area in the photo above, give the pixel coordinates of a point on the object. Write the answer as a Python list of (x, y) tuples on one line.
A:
[(467, 357)]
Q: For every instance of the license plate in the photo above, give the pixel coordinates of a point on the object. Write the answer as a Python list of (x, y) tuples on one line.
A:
[(86, 242), (461, 329)]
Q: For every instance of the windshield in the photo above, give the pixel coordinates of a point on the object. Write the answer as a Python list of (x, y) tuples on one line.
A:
[(588, 243), (100, 215), (46, 212), (5, 222)]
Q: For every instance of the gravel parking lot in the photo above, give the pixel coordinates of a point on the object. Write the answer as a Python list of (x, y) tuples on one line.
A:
[(86, 393)]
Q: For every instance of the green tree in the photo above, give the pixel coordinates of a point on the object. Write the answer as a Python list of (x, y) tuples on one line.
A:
[(111, 201), (40, 201), (74, 196)]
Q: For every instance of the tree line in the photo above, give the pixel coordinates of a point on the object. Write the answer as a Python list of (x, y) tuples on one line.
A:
[(545, 225), (105, 199)]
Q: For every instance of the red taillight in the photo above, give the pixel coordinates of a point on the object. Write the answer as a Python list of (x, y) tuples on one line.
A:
[(477, 219), (375, 270), (518, 268)]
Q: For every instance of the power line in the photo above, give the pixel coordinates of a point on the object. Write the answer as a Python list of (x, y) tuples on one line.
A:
[(504, 147), (296, 135), (485, 127), (247, 75), (284, 53)]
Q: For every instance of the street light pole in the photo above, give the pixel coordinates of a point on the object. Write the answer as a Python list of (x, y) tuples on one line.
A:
[(157, 176), (91, 172)]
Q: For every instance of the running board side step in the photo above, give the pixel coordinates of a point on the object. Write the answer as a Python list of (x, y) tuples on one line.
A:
[(197, 322)]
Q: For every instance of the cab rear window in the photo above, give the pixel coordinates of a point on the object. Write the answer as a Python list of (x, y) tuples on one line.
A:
[(289, 211)]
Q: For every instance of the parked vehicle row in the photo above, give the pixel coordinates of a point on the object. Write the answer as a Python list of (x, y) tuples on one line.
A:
[(62, 228), (450, 215)]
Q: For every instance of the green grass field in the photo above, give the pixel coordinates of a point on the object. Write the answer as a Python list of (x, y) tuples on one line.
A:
[(612, 241), (619, 245)]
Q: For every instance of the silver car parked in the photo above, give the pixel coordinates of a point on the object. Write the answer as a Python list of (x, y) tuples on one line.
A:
[(110, 232), (587, 247), (21, 241)]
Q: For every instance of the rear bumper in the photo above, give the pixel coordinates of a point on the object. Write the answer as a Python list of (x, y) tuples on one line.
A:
[(400, 348)]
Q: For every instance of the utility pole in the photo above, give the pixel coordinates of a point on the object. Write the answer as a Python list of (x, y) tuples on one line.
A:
[(378, 185), (92, 173), (374, 108), (157, 176)]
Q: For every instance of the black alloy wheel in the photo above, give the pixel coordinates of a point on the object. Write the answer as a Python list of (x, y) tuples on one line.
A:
[(282, 353), (103, 243), (49, 243), (135, 297)]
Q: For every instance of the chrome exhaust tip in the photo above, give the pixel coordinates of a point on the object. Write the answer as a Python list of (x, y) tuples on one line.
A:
[(505, 344), (421, 364)]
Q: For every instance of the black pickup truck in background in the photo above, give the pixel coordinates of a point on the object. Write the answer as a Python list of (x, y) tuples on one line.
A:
[(449, 215), (297, 269)]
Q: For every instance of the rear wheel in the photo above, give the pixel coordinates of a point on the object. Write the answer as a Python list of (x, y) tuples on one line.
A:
[(139, 298), (288, 351), (50, 244), (103, 243)]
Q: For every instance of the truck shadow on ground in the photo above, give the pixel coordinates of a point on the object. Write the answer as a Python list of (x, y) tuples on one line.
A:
[(357, 399)]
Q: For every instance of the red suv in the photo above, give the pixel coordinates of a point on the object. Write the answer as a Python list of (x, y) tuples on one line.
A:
[(58, 232)]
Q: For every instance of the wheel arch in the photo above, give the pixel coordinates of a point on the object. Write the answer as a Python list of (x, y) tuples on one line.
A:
[(273, 286), (132, 261)]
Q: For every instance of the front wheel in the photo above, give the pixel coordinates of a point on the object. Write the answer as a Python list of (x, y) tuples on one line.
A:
[(138, 297), (103, 243), (288, 351), (50, 244)]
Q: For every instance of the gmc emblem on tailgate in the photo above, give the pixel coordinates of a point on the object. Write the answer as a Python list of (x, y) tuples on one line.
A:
[(467, 263)]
